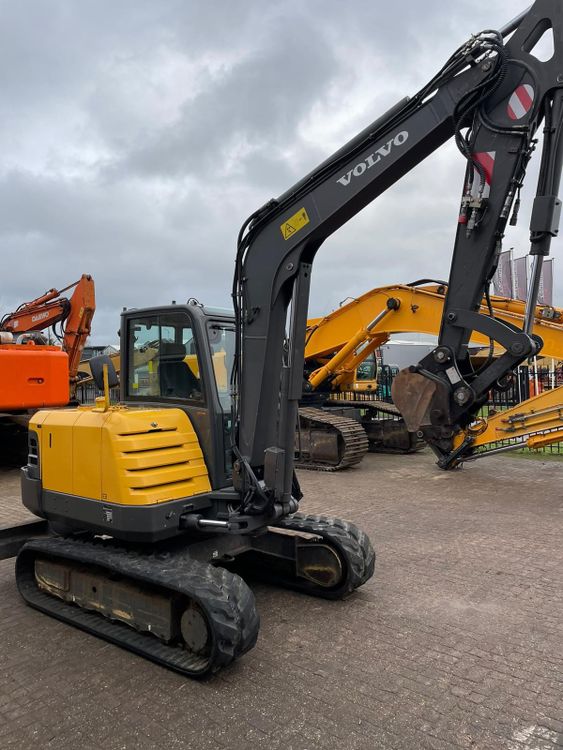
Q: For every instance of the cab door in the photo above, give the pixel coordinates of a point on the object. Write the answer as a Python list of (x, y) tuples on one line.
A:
[(166, 363)]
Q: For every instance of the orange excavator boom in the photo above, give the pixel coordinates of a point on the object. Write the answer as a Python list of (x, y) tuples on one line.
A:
[(78, 323)]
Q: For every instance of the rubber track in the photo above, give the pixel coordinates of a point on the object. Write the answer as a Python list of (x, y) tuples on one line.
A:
[(351, 543), (225, 598), (351, 431)]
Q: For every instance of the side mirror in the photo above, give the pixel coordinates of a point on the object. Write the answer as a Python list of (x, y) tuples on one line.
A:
[(97, 370)]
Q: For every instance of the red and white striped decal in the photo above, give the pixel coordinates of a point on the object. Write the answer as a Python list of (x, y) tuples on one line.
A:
[(487, 160), (520, 102)]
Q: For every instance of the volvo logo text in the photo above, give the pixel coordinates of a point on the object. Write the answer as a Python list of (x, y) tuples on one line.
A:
[(373, 158)]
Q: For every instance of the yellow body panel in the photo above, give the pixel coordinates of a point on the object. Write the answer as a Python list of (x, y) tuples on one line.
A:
[(56, 442), (86, 455), (363, 386), (124, 456), (538, 420)]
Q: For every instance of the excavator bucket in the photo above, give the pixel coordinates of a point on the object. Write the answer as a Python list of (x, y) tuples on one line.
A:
[(412, 394)]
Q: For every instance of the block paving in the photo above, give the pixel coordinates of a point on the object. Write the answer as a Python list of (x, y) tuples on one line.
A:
[(457, 641)]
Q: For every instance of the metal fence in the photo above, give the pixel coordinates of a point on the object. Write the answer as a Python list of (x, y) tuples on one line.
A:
[(87, 393), (527, 382)]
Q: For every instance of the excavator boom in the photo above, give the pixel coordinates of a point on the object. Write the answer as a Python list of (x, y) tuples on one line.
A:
[(347, 335), (470, 100), (78, 324)]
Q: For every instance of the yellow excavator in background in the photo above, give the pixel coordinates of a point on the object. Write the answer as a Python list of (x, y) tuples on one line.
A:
[(340, 341), (342, 344)]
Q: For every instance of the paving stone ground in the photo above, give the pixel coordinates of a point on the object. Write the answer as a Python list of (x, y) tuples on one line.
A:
[(457, 641)]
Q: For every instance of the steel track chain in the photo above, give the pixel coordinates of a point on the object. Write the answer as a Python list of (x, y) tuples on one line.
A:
[(351, 431), (381, 406)]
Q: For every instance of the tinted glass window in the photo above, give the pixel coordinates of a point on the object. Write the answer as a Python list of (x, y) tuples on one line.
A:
[(367, 369)]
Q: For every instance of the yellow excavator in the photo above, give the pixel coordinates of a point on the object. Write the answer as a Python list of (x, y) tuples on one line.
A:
[(344, 341), (161, 501), (340, 341)]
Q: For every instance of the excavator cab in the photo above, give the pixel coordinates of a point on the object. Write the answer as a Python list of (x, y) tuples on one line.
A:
[(181, 356), (365, 375)]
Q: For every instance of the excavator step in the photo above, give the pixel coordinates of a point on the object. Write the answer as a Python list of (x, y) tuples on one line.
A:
[(181, 613), (12, 538), (328, 442)]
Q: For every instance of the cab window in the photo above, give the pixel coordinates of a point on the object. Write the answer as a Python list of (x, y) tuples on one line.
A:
[(367, 370), (222, 344), (163, 358)]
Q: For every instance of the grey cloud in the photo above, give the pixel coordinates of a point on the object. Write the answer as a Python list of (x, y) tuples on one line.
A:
[(255, 107), (138, 135)]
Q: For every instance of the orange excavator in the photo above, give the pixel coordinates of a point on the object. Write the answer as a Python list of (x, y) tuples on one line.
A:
[(33, 373)]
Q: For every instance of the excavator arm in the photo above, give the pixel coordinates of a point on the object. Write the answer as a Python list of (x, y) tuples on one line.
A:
[(535, 423), (473, 99)]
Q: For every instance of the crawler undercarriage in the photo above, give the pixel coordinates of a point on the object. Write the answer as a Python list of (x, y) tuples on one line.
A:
[(339, 435), (182, 603)]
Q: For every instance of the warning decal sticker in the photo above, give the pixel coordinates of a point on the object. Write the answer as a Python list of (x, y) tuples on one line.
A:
[(520, 102), (294, 224)]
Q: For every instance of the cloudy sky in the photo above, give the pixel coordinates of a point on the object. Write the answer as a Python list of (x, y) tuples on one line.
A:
[(137, 136)]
